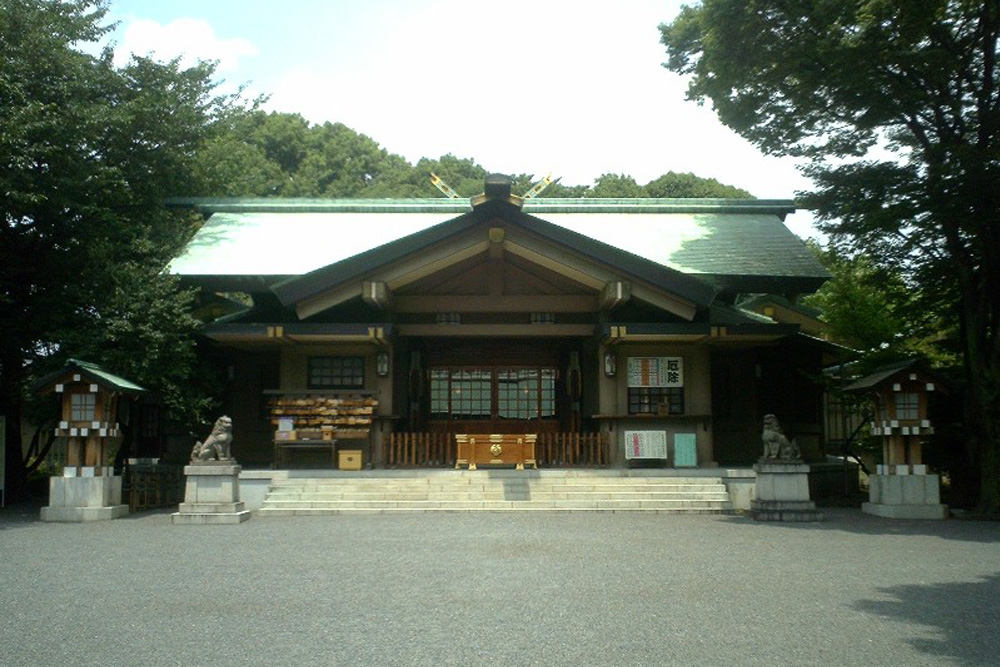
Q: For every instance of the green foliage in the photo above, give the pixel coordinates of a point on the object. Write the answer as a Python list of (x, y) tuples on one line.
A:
[(896, 104), (686, 185), (615, 185), (88, 153), (873, 310), (260, 154)]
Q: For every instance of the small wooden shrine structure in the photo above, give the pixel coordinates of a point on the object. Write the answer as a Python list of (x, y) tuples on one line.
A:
[(91, 402), (90, 408), (903, 487)]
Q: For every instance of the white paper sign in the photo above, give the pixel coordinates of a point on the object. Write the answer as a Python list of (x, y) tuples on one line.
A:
[(645, 444)]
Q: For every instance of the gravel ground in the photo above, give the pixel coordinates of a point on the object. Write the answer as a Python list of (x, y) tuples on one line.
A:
[(545, 589)]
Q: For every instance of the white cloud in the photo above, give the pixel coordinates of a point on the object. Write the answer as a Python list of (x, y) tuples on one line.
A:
[(569, 86), (185, 38)]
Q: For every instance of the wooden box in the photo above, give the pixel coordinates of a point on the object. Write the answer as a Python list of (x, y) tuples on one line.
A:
[(349, 459)]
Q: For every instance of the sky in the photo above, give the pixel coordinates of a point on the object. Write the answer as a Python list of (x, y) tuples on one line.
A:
[(572, 88)]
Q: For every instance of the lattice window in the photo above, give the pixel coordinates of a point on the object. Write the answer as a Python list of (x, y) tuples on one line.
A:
[(471, 394), (647, 400), (82, 407), (336, 372), (907, 406), (486, 393)]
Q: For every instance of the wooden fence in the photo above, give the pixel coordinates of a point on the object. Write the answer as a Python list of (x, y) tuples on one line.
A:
[(150, 486), (420, 450), (552, 450)]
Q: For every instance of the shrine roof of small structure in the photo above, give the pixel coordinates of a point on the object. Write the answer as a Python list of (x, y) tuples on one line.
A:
[(93, 373), (733, 244)]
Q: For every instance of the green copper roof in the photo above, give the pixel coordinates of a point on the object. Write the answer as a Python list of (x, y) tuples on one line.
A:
[(538, 205), (728, 242), (93, 372)]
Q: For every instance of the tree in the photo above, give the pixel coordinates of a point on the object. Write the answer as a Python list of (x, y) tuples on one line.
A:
[(88, 153), (873, 310), (683, 185), (896, 107), (615, 185)]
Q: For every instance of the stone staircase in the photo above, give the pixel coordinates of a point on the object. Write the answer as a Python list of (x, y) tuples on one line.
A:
[(495, 491)]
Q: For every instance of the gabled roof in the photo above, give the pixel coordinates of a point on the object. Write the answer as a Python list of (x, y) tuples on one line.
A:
[(762, 300), (740, 245), (888, 372), (93, 373)]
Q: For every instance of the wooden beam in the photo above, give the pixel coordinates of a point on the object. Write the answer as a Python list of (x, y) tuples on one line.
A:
[(559, 263), (396, 275), (407, 272), (615, 293), (665, 301), (528, 303), (377, 294), (497, 330)]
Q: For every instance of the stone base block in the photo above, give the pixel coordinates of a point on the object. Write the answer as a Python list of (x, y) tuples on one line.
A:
[(782, 482), (782, 491), (211, 508), (789, 511), (79, 514), (211, 496), (905, 497), (85, 498), (906, 511), (209, 518)]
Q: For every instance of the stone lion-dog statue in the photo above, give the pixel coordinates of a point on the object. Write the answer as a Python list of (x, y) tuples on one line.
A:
[(216, 446), (777, 447)]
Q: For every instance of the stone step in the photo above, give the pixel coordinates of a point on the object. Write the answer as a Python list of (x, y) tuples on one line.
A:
[(479, 480), (552, 502), (443, 510), (527, 494), (478, 488), (469, 492)]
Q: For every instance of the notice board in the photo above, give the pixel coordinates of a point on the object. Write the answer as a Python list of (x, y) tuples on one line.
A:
[(645, 445)]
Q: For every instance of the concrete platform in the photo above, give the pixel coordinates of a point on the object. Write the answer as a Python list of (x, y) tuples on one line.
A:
[(905, 497)]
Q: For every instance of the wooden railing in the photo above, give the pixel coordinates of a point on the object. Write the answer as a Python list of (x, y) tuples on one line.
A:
[(420, 450), (149, 486), (552, 450), (555, 450)]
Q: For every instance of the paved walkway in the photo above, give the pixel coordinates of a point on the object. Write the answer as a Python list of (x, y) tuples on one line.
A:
[(491, 589)]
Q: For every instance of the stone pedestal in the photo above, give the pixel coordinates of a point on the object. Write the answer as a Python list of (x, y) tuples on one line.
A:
[(211, 495), (783, 493), (905, 496), (85, 494)]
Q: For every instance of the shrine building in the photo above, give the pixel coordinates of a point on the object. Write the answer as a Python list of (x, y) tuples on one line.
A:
[(608, 332)]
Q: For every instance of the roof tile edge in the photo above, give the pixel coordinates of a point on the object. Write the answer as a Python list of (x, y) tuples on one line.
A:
[(779, 207)]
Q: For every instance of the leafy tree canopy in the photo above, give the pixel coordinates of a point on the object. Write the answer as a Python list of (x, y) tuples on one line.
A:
[(280, 154), (896, 105), (873, 310), (88, 152)]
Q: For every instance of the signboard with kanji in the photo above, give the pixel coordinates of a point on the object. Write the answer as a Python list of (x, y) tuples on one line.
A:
[(656, 372), (645, 444)]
